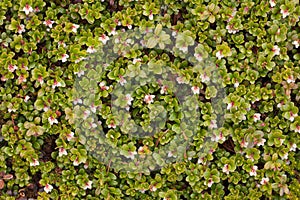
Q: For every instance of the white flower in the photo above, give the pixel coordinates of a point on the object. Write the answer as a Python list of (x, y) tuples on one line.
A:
[(70, 136), (128, 98), (113, 32), (149, 98), (213, 124), (284, 13), (276, 50), (56, 84), (122, 80), (253, 171), (88, 185), (200, 160), (103, 86), (135, 60), (292, 116), (27, 9), (75, 27), (164, 89), (256, 117), (80, 73), (35, 162), (198, 56), (153, 188), (262, 142), (219, 55), (61, 43), (26, 98), (196, 90), (12, 68), (204, 78), (230, 105), (297, 129), (236, 84), (131, 155), (264, 181), (62, 151), (296, 43), (231, 29), (64, 57), (21, 29), (48, 23), (86, 113), (293, 147), (226, 169), (280, 104), (111, 125), (183, 48), (11, 110), (285, 156), (170, 154), (91, 50), (129, 26), (93, 108), (76, 162), (180, 80), (77, 101), (52, 120), (48, 188), (210, 182), (272, 3), (220, 137), (290, 79), (46, 108), (151, 16), (244, 144), (21, 79)]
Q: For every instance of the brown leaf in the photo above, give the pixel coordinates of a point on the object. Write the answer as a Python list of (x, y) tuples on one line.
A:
[(1, 184)]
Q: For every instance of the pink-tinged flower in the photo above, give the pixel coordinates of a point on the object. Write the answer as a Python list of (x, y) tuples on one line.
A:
[(151, 16), (12, 68), (70, 136), (128, 98), (256, 117), (292, 116), (52, 120), (231, 29), (226, 169), (86, 165), (103, 86), (27, 9), (219, 55), (290, 79), (276, 50), (236, 84), (129, 26), (297, 130), (112, 125), (149, 98), (280, 104), (244, 144), (209, 183), (122, 80), (296, 43), (184, 48), (250, 157), (45, 108), (56, 84), (35, 162), (196, 90), (272, 3), (61, 43), (86, 114), (153, 188), (76, 162), (136, 60), (230, 105), (104, 38), (93, 108), (198, 57), (204, 78), (21, 79), (26, 98), (262, 142), (213, 124), (284, 13), (164, 89), (91, 50), (131, 155), (64, 57), (3, 78), (180, 80), (48, 23), (264, 181), (293, 147), (253, 171), (75, 27), (200, 161), (48, 188), (21, 29), (88, 185), (62, 151), (77, 101)]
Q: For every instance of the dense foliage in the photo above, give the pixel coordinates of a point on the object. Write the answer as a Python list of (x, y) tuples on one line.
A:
[(45, 152)]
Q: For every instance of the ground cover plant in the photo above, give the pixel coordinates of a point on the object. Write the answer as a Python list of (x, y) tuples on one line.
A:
[(212, 113)]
